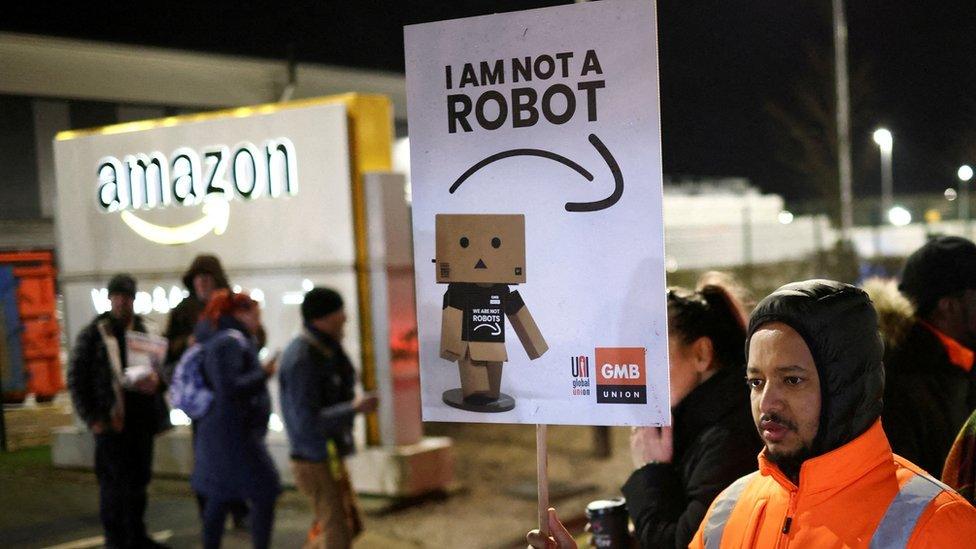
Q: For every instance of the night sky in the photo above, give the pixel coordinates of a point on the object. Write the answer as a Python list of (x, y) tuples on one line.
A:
[(740, 80)]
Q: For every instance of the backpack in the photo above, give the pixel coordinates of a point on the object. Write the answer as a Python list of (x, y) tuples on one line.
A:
[(190, 391)]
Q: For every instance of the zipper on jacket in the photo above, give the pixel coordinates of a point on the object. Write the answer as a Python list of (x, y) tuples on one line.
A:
[(784, 539)]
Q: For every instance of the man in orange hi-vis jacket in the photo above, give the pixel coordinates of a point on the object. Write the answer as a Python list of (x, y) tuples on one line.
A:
[(827, 476)]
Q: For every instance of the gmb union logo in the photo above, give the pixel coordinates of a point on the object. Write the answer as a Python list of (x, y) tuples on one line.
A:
[(621, 375)]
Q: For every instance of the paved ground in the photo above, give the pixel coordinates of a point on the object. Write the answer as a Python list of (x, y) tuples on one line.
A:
[(493, 504)]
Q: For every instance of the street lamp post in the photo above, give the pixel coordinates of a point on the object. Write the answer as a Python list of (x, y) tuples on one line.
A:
[(842, 95), (885, 142), (965, 173)]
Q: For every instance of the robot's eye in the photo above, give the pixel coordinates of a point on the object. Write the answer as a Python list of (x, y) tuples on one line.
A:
[(496, 242), (464, 242)]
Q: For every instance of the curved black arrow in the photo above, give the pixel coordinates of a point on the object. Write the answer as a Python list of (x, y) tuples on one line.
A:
[(618, 182), (520, 152), (618, 178)]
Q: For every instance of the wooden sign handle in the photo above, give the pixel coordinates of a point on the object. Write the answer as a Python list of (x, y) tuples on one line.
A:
[(542, 468)]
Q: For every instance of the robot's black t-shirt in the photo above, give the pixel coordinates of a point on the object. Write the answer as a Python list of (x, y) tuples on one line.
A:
[(483, 309)]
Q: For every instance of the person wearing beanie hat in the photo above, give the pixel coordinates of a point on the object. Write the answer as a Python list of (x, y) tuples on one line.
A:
[(123, 411), (945, 266), (122, 296), (124, 284), (319, 401), (827, 476), (931, 383), (319, 303)]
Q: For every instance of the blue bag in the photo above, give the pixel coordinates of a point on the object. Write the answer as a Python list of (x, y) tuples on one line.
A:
[(189, 390)]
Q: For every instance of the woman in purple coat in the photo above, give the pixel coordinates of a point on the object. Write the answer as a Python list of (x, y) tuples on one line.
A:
[(231, 458)]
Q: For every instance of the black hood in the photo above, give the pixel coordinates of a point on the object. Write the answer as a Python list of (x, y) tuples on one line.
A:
[(205, 264), (840, 326)]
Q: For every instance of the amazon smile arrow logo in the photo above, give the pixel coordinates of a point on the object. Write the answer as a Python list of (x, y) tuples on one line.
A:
[(216, 215), (618, 177), (495, 328)]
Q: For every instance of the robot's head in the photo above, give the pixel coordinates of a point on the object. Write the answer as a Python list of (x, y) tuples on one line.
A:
[(484, 248)]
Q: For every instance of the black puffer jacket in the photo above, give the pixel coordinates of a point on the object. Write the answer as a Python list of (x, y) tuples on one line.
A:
[(90, 381), (715, 442), (840, 326), (927, 397)]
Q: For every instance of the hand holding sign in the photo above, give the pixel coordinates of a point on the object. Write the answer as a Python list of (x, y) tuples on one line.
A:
[(558, 536), (651, 445)]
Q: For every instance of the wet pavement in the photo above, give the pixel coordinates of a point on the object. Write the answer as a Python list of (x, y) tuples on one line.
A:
[(491, 505)]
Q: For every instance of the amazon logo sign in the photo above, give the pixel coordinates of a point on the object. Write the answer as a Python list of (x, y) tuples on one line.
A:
[(187, 177)]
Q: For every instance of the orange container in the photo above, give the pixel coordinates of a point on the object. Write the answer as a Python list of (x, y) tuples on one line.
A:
[(37, 305), (36, 294), (41, 338)]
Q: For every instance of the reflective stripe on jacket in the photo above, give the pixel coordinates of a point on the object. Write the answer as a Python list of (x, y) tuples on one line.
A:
[(859, 495)]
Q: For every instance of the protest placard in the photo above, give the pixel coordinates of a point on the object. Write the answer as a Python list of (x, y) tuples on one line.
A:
[(538, 233)]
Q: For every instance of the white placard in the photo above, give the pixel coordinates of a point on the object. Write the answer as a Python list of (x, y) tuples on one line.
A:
[(549, 117), (142, 349)]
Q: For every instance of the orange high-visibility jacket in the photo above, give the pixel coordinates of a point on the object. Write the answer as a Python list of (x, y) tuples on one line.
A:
[(859, 495)]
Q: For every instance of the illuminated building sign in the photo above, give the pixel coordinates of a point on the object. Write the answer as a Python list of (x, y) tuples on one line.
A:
[(147, 181), (187, 178)]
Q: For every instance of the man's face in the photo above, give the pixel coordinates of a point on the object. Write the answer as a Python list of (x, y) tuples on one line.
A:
[(785, 391), (121, 306), (332, 324), (967, 318), (204, 285), (687, 362)]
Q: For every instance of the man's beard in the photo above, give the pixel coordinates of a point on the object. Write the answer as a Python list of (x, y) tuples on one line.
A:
[(788, 462), (968, 338), (122, 318)]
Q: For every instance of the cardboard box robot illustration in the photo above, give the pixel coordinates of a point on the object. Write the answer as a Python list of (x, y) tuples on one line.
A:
[(478, 257)]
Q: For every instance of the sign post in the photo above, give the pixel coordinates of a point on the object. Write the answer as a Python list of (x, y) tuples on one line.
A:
[(542, 475)]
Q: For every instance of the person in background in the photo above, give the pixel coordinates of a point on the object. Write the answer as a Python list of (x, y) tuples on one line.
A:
[(204, 276), (319, 402), (231, 459), (930, 385), (680, 469), (124, 412), (741, 296)]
